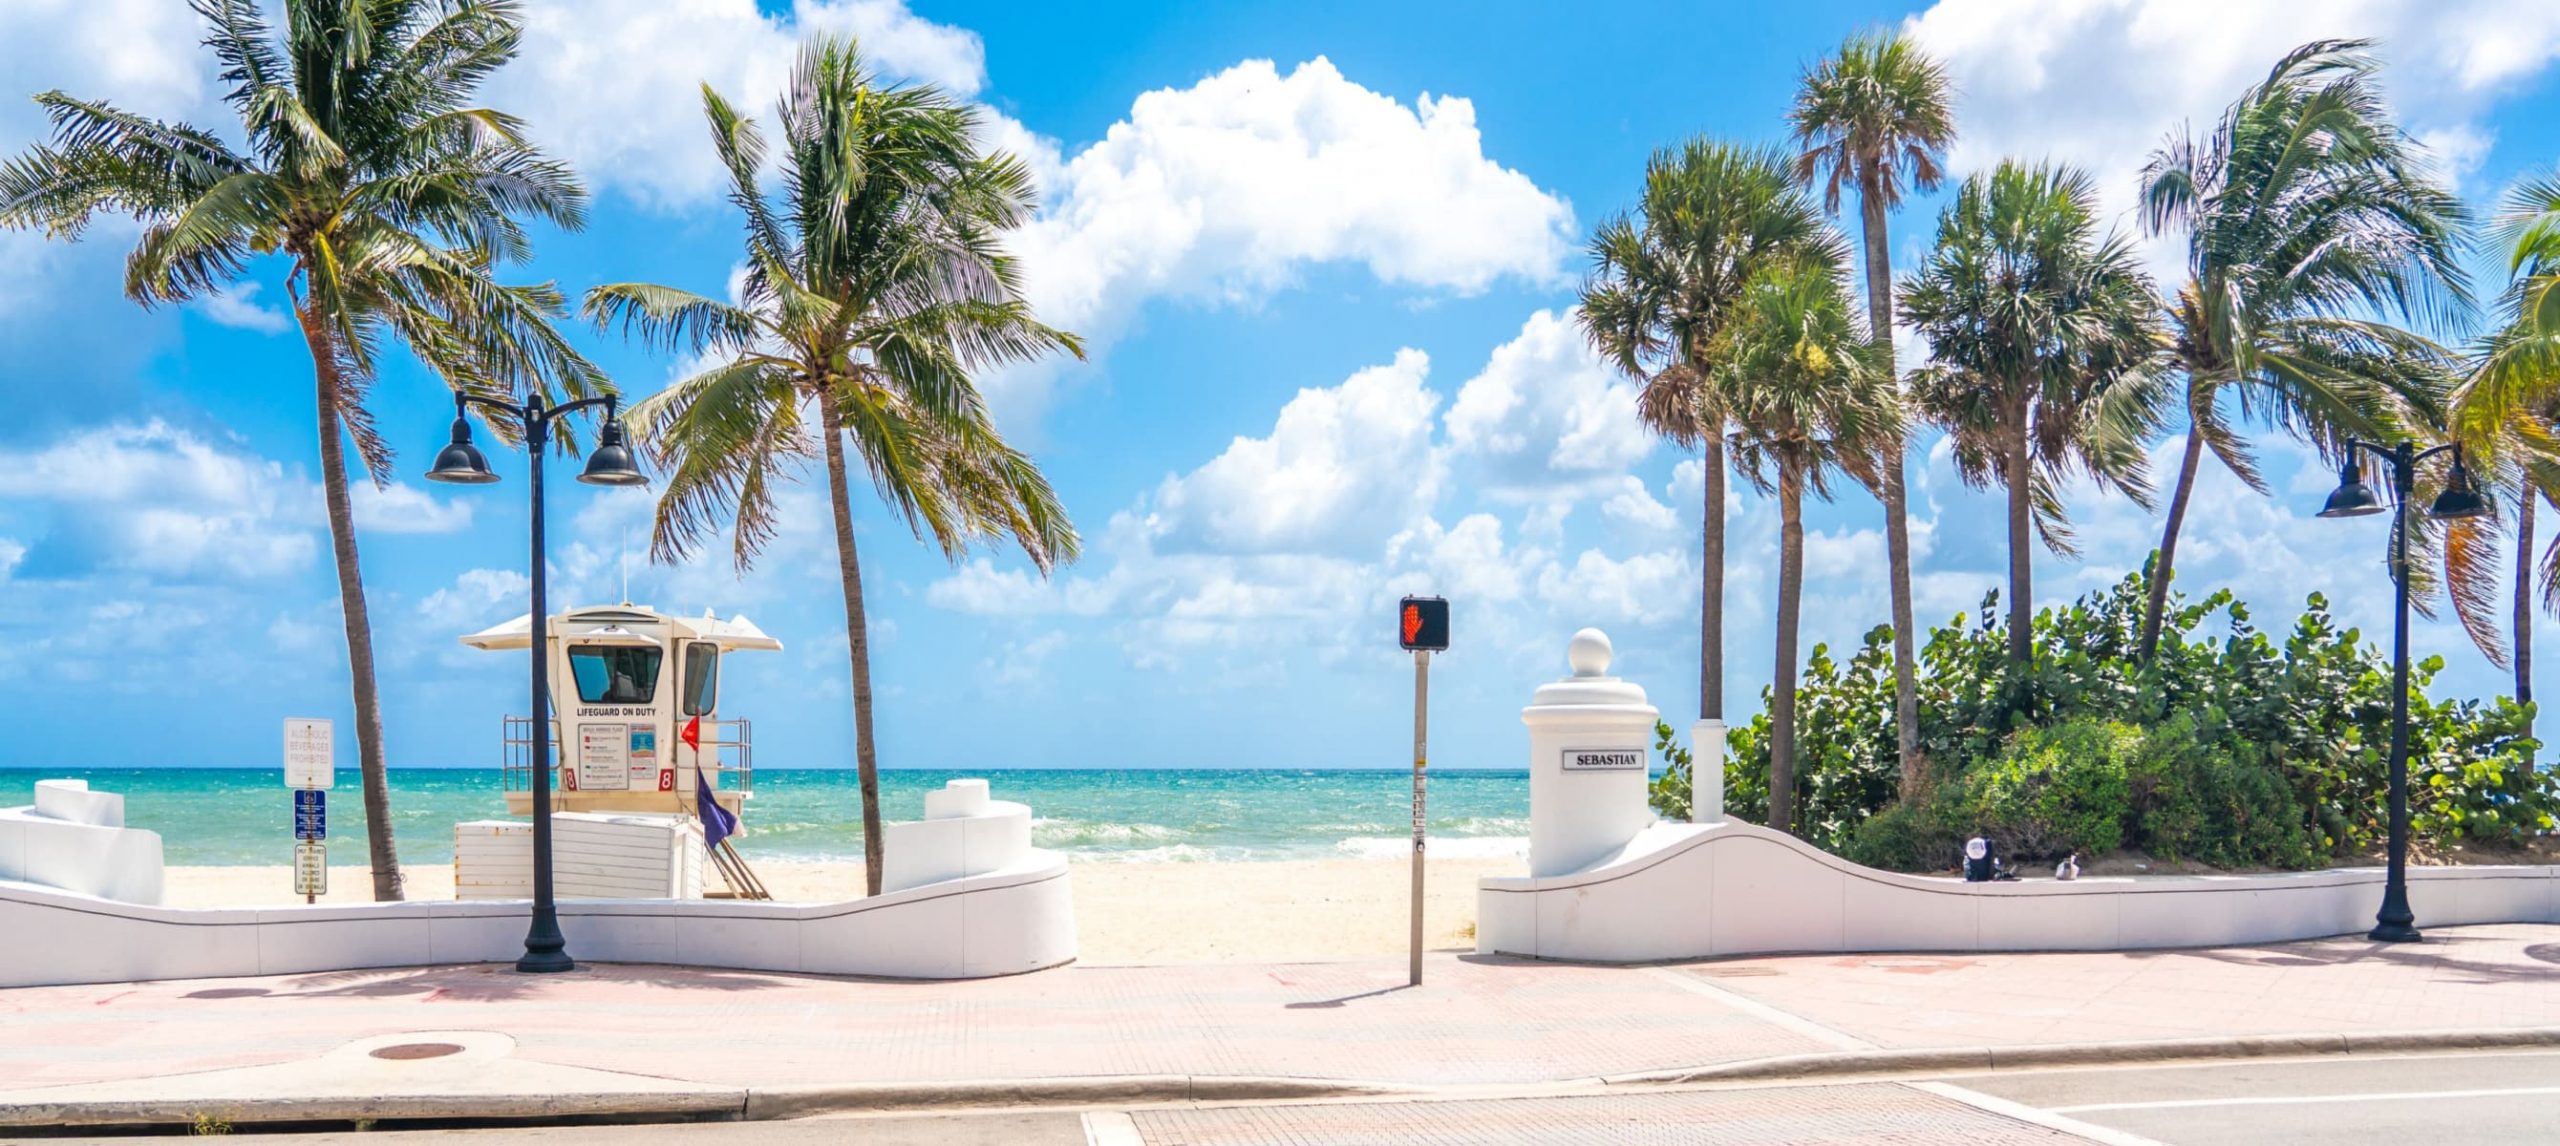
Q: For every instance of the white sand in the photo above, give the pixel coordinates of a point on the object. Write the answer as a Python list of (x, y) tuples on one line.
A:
[(1125, 912)]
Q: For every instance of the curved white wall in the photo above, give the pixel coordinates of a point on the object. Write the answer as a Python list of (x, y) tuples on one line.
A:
[(1692, 891), (1019, 918)]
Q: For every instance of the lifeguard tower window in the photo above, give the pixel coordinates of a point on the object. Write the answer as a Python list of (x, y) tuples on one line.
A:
[(701, 677), (615, 674)]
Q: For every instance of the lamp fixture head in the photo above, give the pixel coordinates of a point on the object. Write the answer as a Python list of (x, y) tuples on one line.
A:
[(2460, 498), (460, 462), (2352, 498), (611, 463)]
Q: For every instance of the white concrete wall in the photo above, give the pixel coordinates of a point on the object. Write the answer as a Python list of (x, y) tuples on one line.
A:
[(75, 839), (1021, 918), (963, 834), (1682, 891)]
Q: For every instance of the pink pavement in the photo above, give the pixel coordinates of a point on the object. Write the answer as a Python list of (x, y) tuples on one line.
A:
[(1474, 1022)]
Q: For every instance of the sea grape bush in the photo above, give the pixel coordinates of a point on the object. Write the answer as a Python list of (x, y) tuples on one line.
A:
[(2234, 747)]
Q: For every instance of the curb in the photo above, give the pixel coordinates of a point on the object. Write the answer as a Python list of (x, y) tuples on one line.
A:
[(631, 1105), (765, 1103), (1986, 1058)]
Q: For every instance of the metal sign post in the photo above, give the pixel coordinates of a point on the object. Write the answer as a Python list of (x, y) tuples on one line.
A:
[(310, 769), (1422, 625)]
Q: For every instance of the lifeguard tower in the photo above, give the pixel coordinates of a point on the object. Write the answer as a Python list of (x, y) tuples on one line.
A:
[(627, 681)]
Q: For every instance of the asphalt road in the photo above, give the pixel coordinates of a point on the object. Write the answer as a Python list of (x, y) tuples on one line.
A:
[(2415, 1100), (2478, 1098)]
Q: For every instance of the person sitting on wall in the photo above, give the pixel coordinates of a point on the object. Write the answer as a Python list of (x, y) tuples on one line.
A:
[(1979, 864)]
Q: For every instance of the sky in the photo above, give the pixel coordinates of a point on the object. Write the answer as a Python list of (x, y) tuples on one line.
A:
[(1324, 256)]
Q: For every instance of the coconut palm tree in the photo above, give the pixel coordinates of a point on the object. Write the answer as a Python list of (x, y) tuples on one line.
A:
[(2045, 339), (873, 291), (1663, 286), (1876, 116), (1809, 395), (2307, 213), (2504, 414), (383, 196)]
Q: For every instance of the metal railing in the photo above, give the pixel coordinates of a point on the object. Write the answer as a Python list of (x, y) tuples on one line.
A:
[(728, 752)]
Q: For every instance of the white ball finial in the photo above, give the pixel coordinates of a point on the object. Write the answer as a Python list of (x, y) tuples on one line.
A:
[(1590, 652)]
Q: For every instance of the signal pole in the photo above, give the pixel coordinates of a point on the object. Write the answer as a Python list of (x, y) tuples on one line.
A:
[(1421, 737)]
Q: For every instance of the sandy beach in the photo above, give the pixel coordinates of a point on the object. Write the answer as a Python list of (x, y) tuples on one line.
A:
[(1126, 912)]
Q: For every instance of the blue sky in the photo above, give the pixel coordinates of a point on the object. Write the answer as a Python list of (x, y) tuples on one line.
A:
[(1325, 255)]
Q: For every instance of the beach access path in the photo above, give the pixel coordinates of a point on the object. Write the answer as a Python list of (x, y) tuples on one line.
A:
[(647, 1038)]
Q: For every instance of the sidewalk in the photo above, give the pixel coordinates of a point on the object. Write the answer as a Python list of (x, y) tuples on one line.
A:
[(631, 1038)]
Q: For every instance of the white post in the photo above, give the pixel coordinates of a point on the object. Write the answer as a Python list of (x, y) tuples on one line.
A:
[(1421, 728), (1706, 772)]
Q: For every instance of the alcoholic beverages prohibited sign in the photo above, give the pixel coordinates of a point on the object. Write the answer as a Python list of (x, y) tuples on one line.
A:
[(1603, 759)]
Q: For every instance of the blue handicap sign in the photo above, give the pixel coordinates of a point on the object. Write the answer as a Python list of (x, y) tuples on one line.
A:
[(310, 814)]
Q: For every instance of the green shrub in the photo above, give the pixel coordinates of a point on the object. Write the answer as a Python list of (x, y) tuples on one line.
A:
[(2254, 748), (1906, 837), (2053, 792)]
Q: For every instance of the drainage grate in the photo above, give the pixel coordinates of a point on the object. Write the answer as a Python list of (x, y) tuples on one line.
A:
[(416, 1050)]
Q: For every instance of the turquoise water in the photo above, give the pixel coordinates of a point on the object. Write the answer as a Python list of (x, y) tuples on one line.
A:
[(229, 816)]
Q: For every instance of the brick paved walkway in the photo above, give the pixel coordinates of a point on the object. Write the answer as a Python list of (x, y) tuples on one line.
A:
[(1474, 1022), (2468, 978)]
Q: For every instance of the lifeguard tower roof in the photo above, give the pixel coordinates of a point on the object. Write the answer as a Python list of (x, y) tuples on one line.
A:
[(606, 623)]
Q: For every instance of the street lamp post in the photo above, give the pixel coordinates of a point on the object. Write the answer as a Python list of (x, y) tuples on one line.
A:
[(2395, 923), (545, 949)]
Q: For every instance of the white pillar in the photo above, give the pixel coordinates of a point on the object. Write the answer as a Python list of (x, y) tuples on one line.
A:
[(1590, 738), (1706, 772)]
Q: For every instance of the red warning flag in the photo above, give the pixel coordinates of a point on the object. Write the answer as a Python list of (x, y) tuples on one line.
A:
[(692, 734)]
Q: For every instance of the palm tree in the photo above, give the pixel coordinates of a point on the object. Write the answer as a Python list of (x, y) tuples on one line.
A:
[(2306, 211), (1873, 115), (1808, 393), (2504, 414), (388, 196), (871, 295), (1663, 287), (2045, 336)]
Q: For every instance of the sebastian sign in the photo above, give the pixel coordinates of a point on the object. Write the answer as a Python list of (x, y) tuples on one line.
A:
[(1604, 759)]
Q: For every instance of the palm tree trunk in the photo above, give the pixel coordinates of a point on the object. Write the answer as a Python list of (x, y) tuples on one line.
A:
[(2524, 601), (351, 609), (857, 639), (1711, 582), (1782, 704), (2021, 547), (2160, 568), (1897, 525)]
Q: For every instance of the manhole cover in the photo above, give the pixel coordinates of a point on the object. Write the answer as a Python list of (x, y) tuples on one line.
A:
[(416, 1050)]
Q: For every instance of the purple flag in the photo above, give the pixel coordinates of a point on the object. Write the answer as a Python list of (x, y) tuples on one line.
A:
[(718, 823)]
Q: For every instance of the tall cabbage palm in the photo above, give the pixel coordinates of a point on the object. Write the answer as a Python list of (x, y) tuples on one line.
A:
[(1875, 115), (2045, 339), (874, 290), (2504, 412), (1809, 395), (1662, 292), (385, 198), (2308, 214)]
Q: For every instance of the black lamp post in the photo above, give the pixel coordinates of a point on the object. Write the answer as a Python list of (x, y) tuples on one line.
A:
[(460, 462), (2395, 923)]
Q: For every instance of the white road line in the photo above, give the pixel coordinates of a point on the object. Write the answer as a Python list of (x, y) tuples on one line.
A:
[(1759, 1010), (1111, 1128), (2300, 1099), (2050, 1120)]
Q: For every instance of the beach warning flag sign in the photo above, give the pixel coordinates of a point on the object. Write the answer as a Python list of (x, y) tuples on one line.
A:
[(1423, 623), (692, 734)]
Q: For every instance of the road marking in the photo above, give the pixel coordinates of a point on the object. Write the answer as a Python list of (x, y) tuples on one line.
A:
[(1759, 1010), (2298, 1099), (2050, 1120), (1111, 1128)]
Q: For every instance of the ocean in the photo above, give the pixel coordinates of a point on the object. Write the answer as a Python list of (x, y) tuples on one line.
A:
[(237, 816)]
